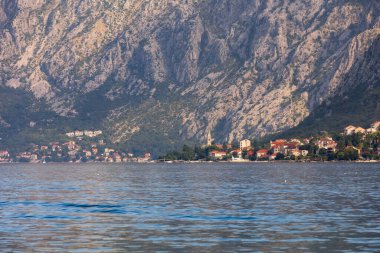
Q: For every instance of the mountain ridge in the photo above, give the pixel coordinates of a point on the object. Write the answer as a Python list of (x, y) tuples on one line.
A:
[(176, 70)]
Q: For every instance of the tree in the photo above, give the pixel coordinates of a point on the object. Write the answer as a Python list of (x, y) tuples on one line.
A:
[(322, 152), (235, 145), (280, 156), (311, 148), (251, 155), (351, 154), (245, 154), (330, 157), (24, 160), (187, 153), (341, 156), (200, 153), (341, 144)]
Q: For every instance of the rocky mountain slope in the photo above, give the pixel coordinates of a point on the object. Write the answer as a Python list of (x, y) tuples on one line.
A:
[(160, 72), (357, 103)]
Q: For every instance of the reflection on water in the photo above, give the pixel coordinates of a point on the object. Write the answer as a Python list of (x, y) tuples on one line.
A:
[(199, 208)]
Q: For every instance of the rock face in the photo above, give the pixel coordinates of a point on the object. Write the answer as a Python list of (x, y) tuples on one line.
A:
[(243, 68)]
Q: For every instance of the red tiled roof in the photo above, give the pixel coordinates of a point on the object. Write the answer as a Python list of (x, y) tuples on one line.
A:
[(218, 152)]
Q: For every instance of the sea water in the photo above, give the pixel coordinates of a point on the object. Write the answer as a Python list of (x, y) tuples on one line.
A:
[(211, 207)]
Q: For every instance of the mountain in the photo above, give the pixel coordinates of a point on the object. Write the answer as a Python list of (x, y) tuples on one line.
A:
[(158, 73), (358, 102)]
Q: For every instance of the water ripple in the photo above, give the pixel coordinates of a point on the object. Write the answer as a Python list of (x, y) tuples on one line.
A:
[(190, 208)]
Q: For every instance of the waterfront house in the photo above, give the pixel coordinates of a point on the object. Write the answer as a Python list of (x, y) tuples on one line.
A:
[(326, 143), (4, 153), (4, 160), (117, 157), (280, 146), (285, 147), (4, 156), (295, 152), (24, 155), (275, 149), (262, 153), (276, 146), (291, 149), (236, 153), (108, 151), (217, 154)]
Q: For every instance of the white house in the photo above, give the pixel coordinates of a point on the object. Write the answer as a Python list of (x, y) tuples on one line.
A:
[(79, 133), (71, 134), (245, 144), (360, 130), (370, 130), (97, 133), (376, 125), (349, 130)]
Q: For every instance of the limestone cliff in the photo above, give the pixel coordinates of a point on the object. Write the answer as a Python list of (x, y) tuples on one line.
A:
[(243, 68)]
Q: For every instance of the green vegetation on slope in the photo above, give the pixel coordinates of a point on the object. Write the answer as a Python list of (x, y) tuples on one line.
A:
[(360, 107)]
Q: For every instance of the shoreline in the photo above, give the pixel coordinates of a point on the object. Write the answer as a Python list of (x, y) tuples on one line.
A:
[(188, 162)]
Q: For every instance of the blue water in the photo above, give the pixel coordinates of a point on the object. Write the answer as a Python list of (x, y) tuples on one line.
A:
[(331, 207)]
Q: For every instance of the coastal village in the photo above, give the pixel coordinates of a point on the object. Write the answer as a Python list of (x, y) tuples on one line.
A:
[(354, 143), (82, 146)]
